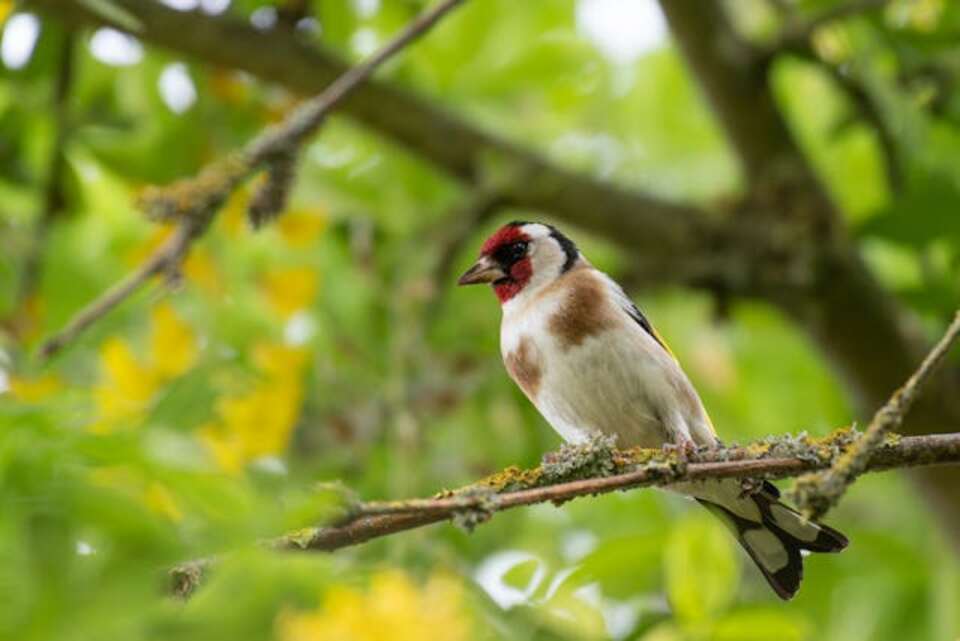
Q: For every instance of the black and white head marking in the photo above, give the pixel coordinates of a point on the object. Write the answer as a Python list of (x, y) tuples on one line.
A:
[(568, 246)]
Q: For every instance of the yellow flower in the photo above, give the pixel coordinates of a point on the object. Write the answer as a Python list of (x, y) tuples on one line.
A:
[(126, 386), (173, 346), (259, 422), (158, 498), (392, 603), (300, 227), (34, 390), (279, 360), (6, 8), (227, 449), (290, 290)]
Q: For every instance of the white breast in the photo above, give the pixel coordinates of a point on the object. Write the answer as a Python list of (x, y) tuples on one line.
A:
[(619, 381)]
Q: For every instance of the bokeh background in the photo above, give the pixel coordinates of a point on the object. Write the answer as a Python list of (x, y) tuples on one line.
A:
[(333, 346)]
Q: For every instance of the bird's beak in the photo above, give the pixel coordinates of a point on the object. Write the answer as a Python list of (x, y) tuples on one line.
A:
[(484, 270)]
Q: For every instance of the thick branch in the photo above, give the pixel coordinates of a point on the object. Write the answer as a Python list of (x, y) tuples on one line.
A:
[(518, 488), (560, 480), (650, 226)]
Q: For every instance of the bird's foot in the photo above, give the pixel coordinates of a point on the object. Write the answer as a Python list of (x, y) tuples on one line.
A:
[(749, 487), (683, 449)]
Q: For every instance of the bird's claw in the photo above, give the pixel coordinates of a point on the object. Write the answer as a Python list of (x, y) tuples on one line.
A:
[(749, 487), (683, 450)]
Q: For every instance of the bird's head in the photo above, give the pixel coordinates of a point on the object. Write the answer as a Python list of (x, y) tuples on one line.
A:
[(522, 257)]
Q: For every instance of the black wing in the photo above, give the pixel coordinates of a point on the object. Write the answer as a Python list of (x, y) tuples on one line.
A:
[(634, 312)]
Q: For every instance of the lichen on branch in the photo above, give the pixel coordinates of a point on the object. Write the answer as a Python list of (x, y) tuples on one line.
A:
[(817, 493), (564, 476)]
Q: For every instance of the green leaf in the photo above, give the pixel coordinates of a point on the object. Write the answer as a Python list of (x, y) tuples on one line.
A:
[(702, 572), (625, 567), (761, 625), (928, 211), (520, 575), (664, 632)]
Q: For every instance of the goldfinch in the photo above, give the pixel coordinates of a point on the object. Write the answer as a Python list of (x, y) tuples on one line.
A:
[(591, 362)]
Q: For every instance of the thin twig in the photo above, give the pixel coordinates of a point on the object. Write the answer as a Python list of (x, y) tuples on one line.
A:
[(53, 195), (193, 203), (797, 39), (798, 32), (772, 458), (164, 259), (872, 113), (305, 119), (817, 493)]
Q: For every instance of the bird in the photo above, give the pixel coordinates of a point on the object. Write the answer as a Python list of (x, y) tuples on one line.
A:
[(592, 363)]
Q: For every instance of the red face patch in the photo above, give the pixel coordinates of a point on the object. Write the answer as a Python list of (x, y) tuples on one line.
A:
[(519, 272), (503, 236)]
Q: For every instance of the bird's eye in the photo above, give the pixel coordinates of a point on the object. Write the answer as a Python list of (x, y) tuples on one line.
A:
[(518, 250), (511, 253), (507, 255)]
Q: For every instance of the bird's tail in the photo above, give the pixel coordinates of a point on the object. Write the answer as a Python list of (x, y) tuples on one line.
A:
[(772, 533)]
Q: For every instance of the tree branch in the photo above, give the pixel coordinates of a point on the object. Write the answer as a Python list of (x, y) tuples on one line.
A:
[(797, 39), (53, 196), (561, 478), (630, 469), (660, 230), (817, 493), (871, 112), (193, 203), (862, 330), (797, 34), (163, 260)]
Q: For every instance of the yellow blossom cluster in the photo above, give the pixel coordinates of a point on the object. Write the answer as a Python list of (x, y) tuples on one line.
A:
[(36, 389), (289, 290), (260, 421), (392, 607), (300, 227), (129, 383)]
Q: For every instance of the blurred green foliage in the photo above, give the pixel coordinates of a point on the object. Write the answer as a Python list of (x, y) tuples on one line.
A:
[(197, 422)]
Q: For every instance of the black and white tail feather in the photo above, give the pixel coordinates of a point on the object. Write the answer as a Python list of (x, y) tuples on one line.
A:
[(776, 542)]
